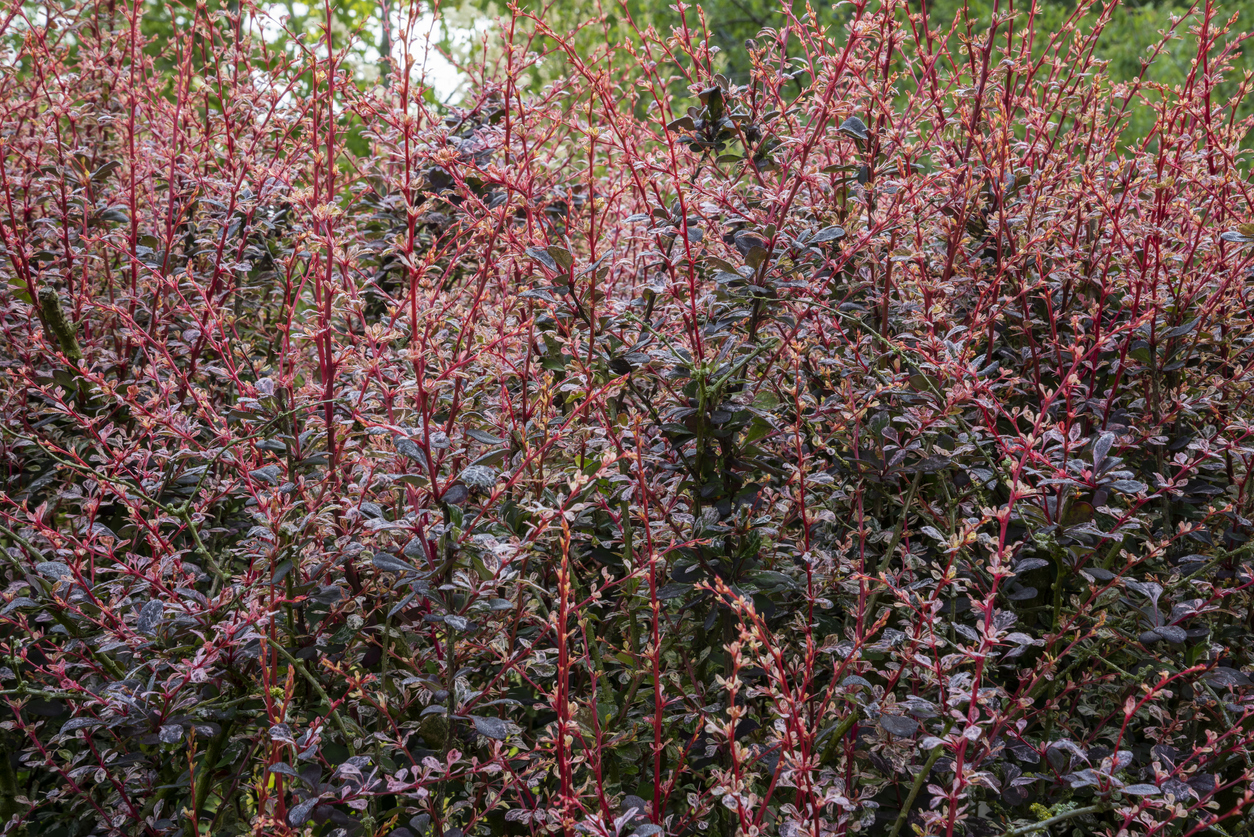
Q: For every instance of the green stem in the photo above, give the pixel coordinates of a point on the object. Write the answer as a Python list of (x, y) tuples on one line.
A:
[(887, 558), (62, 330), (1052, 821), (838, 735), (321, 692), (919, 779), (9, 806), (207, 767)]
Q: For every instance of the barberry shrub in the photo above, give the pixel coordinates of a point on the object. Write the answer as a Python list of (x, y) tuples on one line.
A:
[(860, 446)]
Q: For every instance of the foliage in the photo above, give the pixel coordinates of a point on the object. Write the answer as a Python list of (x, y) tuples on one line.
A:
[(1130, 32), (865, 448)]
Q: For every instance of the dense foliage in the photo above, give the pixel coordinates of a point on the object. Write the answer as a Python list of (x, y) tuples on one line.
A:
[(1127, 31), (862, 448)]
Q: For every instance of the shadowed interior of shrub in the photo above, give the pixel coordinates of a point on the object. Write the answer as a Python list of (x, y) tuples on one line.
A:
[(861, 446)]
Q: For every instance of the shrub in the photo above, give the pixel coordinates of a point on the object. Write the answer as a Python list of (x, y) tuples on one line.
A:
[(862, 446)]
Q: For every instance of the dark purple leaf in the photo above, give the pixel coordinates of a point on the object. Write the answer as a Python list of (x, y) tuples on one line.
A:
[(854, 127), (1028, 564), (489, 727), (1101, 448), (1226, 678), (80, 723), (826, 234), (300, 813), (390, 563), (899, 725), (150, 617), (55, 570)]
